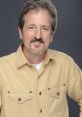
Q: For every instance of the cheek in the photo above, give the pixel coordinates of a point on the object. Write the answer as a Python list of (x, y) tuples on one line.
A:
[(27, 37), (48, 38)]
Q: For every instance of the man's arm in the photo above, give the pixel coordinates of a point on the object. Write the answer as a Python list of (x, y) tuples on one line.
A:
[(75, 84), (0, 104)]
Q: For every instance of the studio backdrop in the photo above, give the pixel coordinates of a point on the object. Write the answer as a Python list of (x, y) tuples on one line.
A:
[(68, 37)]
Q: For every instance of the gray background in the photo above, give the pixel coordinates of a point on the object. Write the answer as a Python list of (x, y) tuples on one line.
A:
[(68, 37)]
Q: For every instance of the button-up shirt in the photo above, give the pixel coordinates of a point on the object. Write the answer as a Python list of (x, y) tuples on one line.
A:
[(26, 92)]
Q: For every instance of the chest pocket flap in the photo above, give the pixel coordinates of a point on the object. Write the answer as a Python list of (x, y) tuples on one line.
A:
[(57, 91), (19, 97)]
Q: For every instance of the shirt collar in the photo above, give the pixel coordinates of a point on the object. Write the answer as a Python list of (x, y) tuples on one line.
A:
[(22, 61), (50, 56), (20, 58)]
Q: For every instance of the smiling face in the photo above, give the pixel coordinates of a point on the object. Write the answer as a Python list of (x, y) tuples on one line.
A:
[(37, 32)]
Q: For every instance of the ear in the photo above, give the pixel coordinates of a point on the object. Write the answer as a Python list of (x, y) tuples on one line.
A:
[(51, 39), (20, 33)]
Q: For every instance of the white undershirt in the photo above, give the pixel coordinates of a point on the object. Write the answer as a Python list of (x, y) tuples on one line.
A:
[(38, 66)]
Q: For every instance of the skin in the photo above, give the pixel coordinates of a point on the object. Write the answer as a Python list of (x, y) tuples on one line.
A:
[(36, 35)]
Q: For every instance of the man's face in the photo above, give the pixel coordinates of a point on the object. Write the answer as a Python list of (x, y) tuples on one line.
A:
[(37, 32)]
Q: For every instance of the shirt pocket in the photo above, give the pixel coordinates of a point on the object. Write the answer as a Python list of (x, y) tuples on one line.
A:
[(19, 103), (57, 92), (57, 98), (19, 96)]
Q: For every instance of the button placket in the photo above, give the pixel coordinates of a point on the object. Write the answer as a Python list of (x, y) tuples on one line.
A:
[(40, 94)]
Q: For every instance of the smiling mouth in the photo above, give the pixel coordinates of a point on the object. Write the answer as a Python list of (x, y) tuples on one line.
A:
[(37, 44)]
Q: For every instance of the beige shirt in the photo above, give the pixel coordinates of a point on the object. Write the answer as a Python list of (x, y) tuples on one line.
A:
[(25, 92)]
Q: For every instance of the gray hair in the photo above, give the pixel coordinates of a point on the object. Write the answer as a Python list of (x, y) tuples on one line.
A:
[(39, 4)]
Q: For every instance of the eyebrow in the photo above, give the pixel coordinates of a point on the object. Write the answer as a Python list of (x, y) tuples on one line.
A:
[(36, 25)]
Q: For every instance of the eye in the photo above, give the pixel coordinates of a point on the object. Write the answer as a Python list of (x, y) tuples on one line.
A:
[(31, 27), (45, 28)]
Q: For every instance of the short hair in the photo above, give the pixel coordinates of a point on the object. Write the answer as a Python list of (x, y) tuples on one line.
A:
[(38, 4)]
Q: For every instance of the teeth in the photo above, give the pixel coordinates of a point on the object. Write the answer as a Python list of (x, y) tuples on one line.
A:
[(37, 42)]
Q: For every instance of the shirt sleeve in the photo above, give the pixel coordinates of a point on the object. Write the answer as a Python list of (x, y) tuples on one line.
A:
[(0, 99), (75, 84)]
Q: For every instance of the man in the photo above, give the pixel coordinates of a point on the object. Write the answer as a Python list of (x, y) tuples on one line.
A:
[(35, 81)]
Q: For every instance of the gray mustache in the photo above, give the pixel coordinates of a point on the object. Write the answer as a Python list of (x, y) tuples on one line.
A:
[(37, 40)]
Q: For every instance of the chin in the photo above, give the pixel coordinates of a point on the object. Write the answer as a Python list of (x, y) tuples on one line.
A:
[(38, 53)]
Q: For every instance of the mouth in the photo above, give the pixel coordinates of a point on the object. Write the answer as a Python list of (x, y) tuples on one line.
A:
[(36, 44)]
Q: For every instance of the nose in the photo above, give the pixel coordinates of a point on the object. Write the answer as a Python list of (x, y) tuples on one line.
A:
[(38, 33)]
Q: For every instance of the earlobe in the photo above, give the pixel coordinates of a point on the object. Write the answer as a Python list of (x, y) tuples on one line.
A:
[(20, 33), (51, 39)]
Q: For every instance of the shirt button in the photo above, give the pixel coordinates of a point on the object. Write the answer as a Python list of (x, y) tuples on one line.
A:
[(40, 93), (19, 99), (8, 91), (40, 110), (64, 84), (58, 93), (30, 91), (48, 88)]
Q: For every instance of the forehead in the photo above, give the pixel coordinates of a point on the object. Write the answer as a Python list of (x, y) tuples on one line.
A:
[(39, 15)]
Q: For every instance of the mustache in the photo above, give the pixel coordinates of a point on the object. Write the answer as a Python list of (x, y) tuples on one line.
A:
[(37, 40)]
